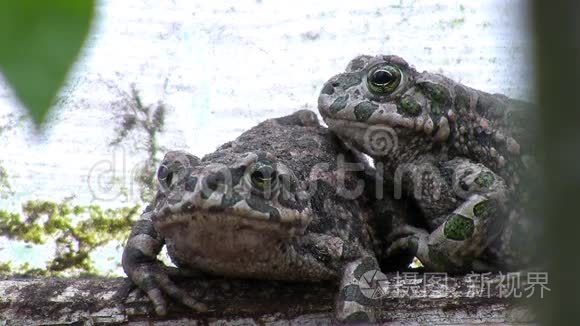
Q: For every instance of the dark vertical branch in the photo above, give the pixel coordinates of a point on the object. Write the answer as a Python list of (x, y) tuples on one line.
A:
[(144, 124), (555, 27)]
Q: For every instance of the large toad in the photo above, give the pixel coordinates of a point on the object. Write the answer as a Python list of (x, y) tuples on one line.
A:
[(284, 201), (458, 153)]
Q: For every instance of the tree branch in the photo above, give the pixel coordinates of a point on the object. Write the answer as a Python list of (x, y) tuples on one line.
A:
[(112, 301)]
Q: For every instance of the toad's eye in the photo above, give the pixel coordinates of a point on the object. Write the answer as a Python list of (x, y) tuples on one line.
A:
[(263, 177), (384, 79), (164, 175)]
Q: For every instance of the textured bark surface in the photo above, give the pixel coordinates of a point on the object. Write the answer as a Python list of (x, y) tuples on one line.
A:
[(102, 301)]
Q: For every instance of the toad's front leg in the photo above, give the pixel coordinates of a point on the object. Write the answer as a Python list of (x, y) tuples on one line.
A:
[(150, 274), (355, 302), (351, 264)]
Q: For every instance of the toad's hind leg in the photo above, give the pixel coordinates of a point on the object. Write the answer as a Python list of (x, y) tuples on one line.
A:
[(459, 237)]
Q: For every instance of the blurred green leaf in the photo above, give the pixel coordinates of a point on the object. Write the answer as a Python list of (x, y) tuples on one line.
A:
[(40, 41)]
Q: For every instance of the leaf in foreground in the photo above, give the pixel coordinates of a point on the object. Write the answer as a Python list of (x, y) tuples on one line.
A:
[(40, 41)]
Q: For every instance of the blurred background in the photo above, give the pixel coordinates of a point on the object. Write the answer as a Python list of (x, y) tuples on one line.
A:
[(218, 68)]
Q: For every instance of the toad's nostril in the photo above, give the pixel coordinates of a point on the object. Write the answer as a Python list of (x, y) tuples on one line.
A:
[(328, 89), (190, 183), (214, 181), (335, 84)]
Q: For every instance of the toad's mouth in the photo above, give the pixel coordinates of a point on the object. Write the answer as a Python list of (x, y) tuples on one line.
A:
[(381, 135), (384, 121), (219, 236), (376, 140), (284, 222)]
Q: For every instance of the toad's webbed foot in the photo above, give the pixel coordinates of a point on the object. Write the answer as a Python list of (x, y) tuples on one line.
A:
[(411, 239), (153, 280)]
